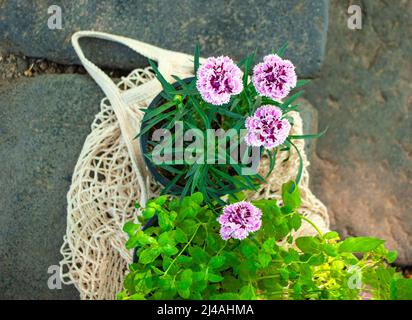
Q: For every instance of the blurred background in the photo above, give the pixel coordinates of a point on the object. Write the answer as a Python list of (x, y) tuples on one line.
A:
[(361, 89)]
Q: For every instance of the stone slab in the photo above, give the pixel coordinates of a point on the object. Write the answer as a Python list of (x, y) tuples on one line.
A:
[(232, 28), (44, 121), (363, 168)]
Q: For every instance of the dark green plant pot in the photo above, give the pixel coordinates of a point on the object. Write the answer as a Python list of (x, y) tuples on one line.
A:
[(164, 181)]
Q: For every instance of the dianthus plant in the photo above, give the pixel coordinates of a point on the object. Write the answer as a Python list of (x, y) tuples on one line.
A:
[(190, 250), (252, 111)]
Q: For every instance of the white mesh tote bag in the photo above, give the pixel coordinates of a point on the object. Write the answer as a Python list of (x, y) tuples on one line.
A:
[(110, 174)]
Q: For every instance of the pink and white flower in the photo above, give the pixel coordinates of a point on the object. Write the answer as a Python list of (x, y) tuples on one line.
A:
[(239, 219), (218, 79), (266, 127), (274, 77)]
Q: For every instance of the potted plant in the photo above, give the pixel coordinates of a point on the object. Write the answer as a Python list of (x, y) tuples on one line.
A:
[(248, 116), (251, 251)]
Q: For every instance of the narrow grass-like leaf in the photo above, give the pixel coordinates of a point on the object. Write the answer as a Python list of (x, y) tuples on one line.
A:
[(227, 177), (226, 112), (258, 103), (196, 178), (186, 189), (308, 136), (197, 57), (272, 160), (281, 52), (301, 83), (171, 169), (172, 183), (235, 103), (201, 113), (291, 99), (184, 92), (149, 125), (291, 108), (166, 85), (248, 63), (299, 175), (150, 113)]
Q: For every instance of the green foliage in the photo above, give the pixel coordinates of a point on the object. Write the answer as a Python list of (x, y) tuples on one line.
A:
[(182, 256), (182, 103)]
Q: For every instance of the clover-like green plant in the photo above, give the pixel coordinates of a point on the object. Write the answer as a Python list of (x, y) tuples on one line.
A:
[(180, 255)]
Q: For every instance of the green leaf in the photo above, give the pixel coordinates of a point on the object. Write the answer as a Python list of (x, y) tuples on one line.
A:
[(307, 244), (360, 244), (247, 270), (216, 262), (248, 248), (225, 296), (296, 221), (301, 83), (214, 277), (199, 255), (291, 256), (290, 100), (185, 279), (264, 259), (269, 245), (148, 213), (166, 85), (300, 169), (284, 273), (184, 282), (291, 195), (166, 238), (201, 113), (196, 56), (169, 250), (282, 50), (401, 289), (150, 124), (272, 160), (184, 293), (330, 250), (180, 236), (247, 293), (184, 260), (151, 113), (164, 221), (391, 256), (137, 296), (308, 136), (149, 255), (197, 197), (131, 228), (331, 235), (248, 62), (281, 231), (316, 260), (141, 239), (199, 276)]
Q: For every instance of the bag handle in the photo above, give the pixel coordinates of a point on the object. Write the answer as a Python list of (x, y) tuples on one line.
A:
[(114, 95), (161, 56)]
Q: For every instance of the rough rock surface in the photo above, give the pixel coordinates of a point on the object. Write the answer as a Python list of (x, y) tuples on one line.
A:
[(363, 171), (44, 122), (233, 28)]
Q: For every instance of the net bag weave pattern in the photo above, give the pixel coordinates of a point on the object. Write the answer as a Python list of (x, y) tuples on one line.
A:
[(110, 175)]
